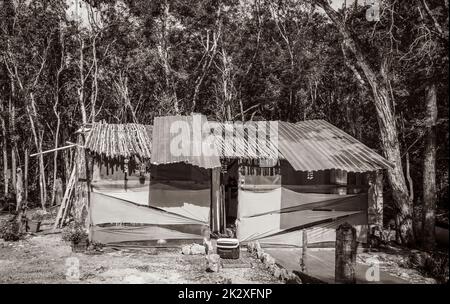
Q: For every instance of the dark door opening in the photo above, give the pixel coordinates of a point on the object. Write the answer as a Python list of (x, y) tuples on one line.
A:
[(230, 179)]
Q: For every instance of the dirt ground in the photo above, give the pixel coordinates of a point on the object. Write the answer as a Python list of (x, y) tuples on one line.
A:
[(393, 260), (44, 259)]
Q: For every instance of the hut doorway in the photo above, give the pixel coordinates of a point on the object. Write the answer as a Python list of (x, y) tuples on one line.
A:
[(224, 198), (230, 178)]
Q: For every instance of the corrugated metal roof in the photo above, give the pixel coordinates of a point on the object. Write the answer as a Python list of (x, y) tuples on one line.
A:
[(227, 140), (318, 145), (120, 140), (180, 139), (308, 145)]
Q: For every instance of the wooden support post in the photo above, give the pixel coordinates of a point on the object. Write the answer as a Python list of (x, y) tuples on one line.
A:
[(223, 224), (304, 250), (215, 200), (125, 171), (65, 204), (339, 178), (345, 261)]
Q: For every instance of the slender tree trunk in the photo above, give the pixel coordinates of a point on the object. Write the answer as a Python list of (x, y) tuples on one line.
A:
[(387, 126), (19, 189), (38, 144), (67, 164), (210, 51), (429, 170), (12, 127), (55, 158), (94, 92), (25, 174), (164, 56), (58, 125), (43, 181), (4, 151), (81, 88)]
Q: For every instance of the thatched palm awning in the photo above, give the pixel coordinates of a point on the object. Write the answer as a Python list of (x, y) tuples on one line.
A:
[(120, 140)]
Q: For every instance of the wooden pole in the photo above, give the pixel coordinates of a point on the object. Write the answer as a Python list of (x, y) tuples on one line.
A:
[(304, 250), (215, 199), (62, 211), (339, 179), (53, 150), (222, 210), (345, 260)]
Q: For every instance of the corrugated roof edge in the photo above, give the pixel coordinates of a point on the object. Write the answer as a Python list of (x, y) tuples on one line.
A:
[(387, 163)]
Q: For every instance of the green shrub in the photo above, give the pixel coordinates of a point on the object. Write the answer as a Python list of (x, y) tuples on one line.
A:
[(436, 266), (10, 229), (38, 215), (433, 265), (8, 202), (74, 232)]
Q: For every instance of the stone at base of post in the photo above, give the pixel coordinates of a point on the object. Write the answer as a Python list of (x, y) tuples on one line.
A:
[(212, 263), (345, 261)]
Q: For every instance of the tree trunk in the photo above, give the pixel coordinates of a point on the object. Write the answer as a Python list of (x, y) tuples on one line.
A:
[(386, 123), (67, 164), (81, 88), (164, 56), (429, 170), (80, 205), (38, 144), (55, 158), (42, 181), (58, 125), (4, 151), (19, 189), (210, 51), (375, 200), (12, 126), (94, 92), (25, 175)]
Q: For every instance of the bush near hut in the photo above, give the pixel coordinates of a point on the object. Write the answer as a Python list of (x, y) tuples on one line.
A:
[(74, 233), (436, 266), (8, 202), (433, 265), (38, 215), (10, 229)]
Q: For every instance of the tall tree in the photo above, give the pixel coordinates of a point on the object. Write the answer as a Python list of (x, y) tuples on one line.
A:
[(378, 82)]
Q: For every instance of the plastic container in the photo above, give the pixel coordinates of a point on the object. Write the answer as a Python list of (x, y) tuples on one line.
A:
[(228, 248)]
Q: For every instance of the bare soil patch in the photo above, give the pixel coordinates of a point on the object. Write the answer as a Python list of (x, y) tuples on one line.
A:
[(42, 259)]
